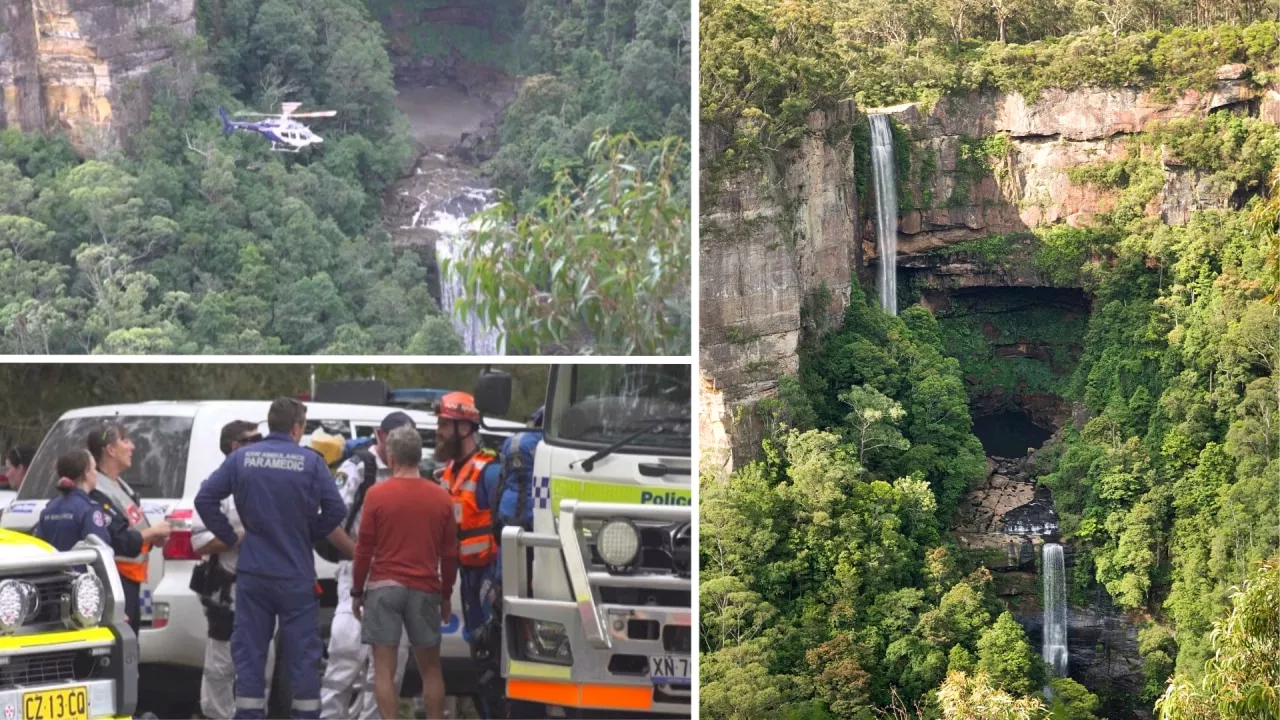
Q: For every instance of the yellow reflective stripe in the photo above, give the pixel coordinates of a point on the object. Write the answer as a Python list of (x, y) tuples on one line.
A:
[(473, 548), (18, 642), (590, 491), (523, 668)]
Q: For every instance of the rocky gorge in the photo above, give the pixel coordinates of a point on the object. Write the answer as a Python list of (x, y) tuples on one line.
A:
[(981, 178), (783, 239)]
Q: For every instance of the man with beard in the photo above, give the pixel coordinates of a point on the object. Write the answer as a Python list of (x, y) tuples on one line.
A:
[(348, 655), (471, 475)]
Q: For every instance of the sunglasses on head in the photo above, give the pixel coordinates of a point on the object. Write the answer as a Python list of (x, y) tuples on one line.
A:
[(108, 434), (250, 439)]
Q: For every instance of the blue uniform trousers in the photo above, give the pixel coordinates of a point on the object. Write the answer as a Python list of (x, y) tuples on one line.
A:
[(260, 603)]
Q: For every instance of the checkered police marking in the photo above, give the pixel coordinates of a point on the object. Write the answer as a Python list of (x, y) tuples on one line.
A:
[(541, 492), (144, 604)]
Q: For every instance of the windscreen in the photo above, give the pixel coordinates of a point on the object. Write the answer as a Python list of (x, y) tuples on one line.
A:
[(159, 456), (606, 404)]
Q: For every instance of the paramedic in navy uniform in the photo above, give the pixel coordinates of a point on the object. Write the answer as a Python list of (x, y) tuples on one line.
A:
[(72, 516), (287, 500)]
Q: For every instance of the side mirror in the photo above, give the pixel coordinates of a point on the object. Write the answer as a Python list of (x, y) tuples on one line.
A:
[(493, 393)]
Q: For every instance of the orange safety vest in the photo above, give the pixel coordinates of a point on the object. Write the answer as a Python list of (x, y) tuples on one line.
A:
[(476, 547), (130, 568)]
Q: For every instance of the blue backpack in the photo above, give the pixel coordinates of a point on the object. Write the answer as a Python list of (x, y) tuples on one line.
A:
[(515, 484)]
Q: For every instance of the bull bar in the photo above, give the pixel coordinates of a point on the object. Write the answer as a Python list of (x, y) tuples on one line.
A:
[(596, 631)]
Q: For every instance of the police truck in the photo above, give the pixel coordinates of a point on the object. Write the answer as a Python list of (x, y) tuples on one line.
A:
[(598, 595)]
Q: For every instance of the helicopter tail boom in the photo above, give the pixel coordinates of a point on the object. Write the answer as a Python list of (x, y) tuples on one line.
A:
[(227, 127)]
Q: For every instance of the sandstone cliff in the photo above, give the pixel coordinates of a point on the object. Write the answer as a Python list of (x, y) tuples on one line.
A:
[(772, 241), (781, 241), (1059, 131), (77, 65)]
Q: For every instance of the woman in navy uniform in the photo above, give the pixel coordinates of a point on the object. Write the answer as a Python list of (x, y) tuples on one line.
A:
[(73, 516)]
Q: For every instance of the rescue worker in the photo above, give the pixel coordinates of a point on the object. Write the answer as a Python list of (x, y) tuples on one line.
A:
[(215, 580), (471, 475), (349, 667), (72, 516), (132, 535), (286, 500), (16, 463)]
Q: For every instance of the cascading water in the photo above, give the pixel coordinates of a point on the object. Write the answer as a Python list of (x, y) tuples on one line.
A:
[(1054, 650), (446, 201), (886, 195)]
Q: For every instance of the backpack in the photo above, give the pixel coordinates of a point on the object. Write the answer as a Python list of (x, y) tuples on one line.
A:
[(515, 484), (324, 548)]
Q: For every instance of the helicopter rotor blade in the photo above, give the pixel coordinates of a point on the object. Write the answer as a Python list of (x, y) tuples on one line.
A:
[(321, 113)]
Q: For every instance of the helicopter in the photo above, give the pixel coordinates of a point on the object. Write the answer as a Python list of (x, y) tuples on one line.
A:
[(285, 133)]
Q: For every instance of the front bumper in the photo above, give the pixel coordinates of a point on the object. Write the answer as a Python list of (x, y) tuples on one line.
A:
[(102, 659), (611, 666)]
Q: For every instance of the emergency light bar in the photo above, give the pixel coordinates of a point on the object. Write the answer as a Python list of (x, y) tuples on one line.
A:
[(375, 392), (416, 396)]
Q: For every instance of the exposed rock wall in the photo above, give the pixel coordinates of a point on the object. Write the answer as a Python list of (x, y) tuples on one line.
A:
[(772, 235), (77, 65), (772, 240), (1061, 130)]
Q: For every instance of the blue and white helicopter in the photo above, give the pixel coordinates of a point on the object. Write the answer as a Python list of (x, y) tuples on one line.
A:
[(285, 133)]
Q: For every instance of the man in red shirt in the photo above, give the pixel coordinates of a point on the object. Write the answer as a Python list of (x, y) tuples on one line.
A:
[(407, 559)]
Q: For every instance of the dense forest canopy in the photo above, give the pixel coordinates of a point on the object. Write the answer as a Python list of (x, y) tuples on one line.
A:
[(830, 585), (183, 241)]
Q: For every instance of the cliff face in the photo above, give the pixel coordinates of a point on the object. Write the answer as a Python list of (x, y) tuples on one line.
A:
[(773, 237), (1061, 130), (774, 241), (78, 65)]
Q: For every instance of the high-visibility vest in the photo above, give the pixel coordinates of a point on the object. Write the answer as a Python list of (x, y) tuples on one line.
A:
[(476, 547), (122, 496)]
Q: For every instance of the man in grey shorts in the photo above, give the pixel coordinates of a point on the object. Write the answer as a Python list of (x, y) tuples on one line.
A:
[(406, 562)]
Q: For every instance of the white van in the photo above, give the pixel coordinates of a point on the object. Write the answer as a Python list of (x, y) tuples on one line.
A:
[(177, 448)]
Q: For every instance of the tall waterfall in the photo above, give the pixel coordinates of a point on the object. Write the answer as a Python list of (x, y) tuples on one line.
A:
[(447, 196), (886, 194), (1054, 650)]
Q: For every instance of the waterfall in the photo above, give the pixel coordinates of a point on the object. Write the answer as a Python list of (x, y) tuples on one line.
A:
[(447, 197), (477, 337), (1054, 650), (886, 195)]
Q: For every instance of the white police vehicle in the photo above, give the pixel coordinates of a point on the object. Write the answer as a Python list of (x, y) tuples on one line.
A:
[(177, 449)]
